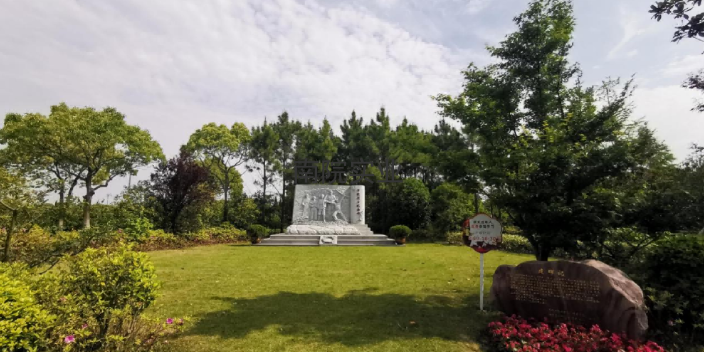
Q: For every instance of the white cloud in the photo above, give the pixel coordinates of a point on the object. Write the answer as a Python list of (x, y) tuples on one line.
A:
[(171, 69), (476, 6), (681, 66), (633, 25), (667, 110)]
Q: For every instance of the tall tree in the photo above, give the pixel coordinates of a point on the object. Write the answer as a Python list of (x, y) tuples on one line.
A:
[(221, 150), (263, 150), (411, 148), (287, 130), (545, 146), (103, 147), (40, 146), (317, 144), (356, 144), (178, 184)]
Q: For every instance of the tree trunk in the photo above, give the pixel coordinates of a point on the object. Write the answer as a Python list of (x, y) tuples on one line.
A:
[(542, 253), (8, 237), (62, 209), (226, 205), (264, 196), (283, 196), (476, 203), (87, 200)]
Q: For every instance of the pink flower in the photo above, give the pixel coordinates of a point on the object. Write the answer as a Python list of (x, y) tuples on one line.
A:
[(62, 299), (84, 326), (671, 323), (169, 321), (69, 339), (180, 321)]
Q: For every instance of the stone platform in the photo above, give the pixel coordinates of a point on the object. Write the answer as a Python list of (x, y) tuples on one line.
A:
[(328, 215), (315, 240)]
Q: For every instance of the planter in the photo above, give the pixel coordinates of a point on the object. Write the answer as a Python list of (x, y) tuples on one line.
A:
[(256, 240), (401, 240)]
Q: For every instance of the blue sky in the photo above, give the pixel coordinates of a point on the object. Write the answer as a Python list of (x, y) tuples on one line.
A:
[(173, 66)]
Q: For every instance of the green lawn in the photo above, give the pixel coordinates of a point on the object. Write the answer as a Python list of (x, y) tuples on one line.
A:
[(422, 297)]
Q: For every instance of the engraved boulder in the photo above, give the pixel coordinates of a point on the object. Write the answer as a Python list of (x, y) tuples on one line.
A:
[(583, 293)]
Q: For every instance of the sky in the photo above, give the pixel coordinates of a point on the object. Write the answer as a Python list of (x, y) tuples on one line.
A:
[(172, 67)]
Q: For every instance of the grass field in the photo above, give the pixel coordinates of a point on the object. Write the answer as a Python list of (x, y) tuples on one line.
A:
[(421, 297)]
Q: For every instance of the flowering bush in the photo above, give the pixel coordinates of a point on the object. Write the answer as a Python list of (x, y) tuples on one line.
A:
[(518, 335), (98, 297)]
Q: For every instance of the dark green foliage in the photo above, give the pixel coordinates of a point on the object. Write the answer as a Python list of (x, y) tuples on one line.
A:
[(257, 231), (547, 150), (450, 206), (672, 275), (406, 203), (399, 231)]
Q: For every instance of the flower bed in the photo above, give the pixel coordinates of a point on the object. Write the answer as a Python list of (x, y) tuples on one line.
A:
[(518, 335)]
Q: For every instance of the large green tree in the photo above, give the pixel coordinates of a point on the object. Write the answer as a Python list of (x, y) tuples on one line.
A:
[(41, 147), (102, 147), (546, 146), (263, 154), (287, 130), (221, 150)]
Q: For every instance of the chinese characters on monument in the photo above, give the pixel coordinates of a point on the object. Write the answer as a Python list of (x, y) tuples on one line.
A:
[(582, 293), (334, 172)]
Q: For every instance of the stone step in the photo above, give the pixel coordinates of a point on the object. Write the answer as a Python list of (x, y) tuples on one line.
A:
[(313, 240), (317, 237)]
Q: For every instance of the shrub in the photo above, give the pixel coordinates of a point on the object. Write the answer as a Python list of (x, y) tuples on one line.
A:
[(455, 237), (672, 274), (257, 231), (429, 234), (23, 322), (449, 207), (97, 295), (399, 231), (37, 247), (516, 244), (515, 334), (226, 233)]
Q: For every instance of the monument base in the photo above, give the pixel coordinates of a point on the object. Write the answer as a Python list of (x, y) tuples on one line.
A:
[(326, 240)]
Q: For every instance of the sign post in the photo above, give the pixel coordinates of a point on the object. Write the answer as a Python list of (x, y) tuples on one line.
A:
[(482, 233)]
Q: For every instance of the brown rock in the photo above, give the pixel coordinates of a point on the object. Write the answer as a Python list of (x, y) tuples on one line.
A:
[(583, 293)]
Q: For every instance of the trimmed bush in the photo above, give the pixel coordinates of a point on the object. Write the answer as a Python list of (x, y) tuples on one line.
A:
[(672, 275), (257, 231), (455, 237), (399, 231), (515, 244), (23, 322)]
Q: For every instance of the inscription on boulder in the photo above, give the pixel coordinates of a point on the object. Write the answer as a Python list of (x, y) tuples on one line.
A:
[(582, 293)]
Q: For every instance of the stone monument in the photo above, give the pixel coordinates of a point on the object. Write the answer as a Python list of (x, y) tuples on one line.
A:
[(328, 215), (582, 293)]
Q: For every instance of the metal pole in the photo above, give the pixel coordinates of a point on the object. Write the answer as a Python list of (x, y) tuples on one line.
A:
[(481, 281)]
